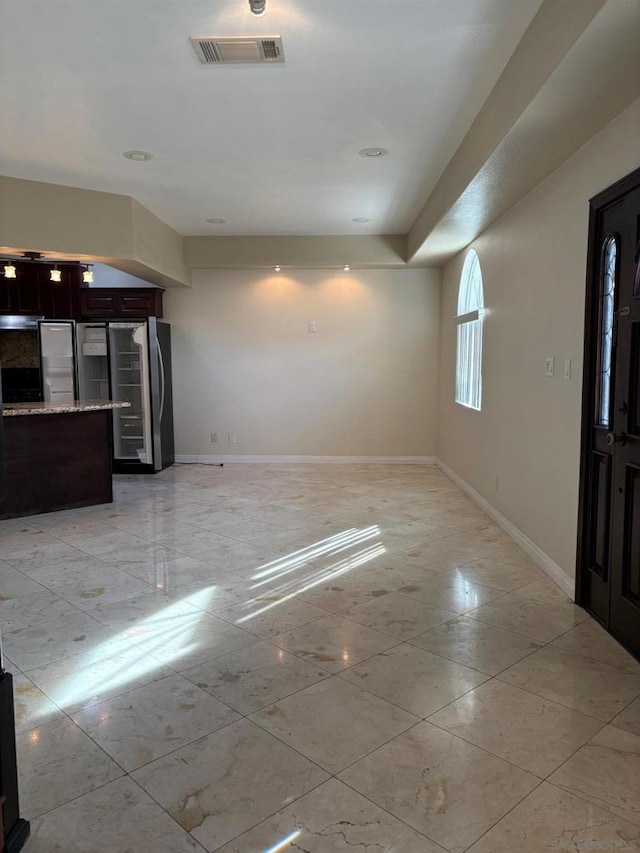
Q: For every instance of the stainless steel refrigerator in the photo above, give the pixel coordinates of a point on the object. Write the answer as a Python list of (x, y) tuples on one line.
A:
[(57, 361), (126, 360)]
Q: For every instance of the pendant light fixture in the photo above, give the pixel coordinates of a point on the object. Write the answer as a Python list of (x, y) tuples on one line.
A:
[(9, 269), (258, 7)]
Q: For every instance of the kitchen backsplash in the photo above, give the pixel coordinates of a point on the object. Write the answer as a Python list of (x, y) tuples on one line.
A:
[(19, 348)]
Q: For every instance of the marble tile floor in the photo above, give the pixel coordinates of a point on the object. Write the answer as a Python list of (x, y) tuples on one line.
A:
[(263, 658)]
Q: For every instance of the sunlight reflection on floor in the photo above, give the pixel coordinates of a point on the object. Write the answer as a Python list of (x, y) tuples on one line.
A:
[(297, 561), (280, 845), (172, 627)]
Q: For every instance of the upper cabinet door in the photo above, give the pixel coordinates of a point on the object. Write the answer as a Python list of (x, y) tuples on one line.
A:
[(8, 296), (64, 295), (31, 296), (140, 303), (97, 302), (102, 302), (28, 293)]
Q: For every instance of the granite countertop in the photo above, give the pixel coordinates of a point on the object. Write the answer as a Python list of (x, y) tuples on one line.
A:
[(11, 409)]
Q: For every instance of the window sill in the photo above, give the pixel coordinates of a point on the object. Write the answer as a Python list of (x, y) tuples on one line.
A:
[(468, 406)]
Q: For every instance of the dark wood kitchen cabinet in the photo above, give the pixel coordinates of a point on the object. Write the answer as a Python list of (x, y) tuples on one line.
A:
[(32, 293), (65, 297), (103, 302), (25, 294)]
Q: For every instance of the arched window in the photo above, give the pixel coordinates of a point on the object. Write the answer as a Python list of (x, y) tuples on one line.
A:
[(469, 343)]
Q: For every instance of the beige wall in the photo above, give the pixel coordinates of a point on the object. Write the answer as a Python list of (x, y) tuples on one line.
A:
[(533, 261), (244, 362)]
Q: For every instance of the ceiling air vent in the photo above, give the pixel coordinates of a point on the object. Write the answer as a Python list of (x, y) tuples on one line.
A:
[(232, 50)]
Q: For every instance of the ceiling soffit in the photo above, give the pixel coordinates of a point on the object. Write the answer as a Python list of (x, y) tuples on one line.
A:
[(584, 94), (554, 30), (87, 225)]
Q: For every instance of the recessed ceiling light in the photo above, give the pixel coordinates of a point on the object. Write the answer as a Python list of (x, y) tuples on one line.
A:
[(346, 268), (360, 219), (139, 156), (373, 152), (216, 221)]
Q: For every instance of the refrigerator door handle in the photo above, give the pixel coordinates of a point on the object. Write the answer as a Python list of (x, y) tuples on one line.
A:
[(160, 359)]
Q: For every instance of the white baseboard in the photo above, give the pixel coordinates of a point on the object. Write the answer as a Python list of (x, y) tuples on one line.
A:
[(314, 460), (529, 546)]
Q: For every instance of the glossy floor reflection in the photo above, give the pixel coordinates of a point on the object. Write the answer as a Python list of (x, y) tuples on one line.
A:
[(260, 658)]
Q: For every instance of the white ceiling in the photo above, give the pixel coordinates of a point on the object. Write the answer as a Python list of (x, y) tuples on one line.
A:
[(271, 149)]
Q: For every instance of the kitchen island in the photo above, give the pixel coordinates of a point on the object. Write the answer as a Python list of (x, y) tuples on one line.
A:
[(57, 456)]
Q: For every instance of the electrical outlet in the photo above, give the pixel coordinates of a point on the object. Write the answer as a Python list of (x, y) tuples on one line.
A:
[(214, 437), (567, 369), (312, 326), (550, 368), (233, 438), (371, 437)]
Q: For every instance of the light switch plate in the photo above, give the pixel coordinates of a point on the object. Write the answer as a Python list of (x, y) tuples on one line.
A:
[(550, 368), (312, 325)]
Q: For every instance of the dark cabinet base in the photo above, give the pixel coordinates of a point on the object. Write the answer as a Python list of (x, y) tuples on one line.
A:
[(16, 829), (56, 462), (123, 466), (17, 838)]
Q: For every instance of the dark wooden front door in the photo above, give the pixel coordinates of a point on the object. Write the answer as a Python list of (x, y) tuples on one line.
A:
[(609, 529)]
